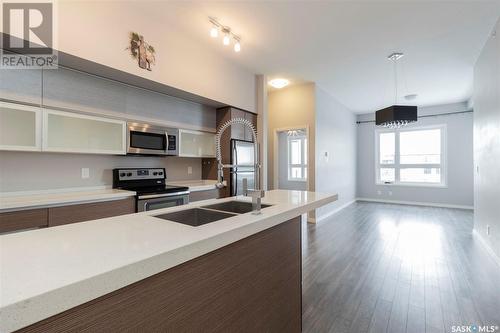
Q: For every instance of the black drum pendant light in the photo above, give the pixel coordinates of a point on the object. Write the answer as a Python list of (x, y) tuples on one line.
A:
[(396, 116)]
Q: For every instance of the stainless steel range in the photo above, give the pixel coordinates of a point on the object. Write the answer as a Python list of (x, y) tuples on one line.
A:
[(149, 184)]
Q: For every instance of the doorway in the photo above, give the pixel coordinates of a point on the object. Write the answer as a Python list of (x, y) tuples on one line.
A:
[(291, 149)]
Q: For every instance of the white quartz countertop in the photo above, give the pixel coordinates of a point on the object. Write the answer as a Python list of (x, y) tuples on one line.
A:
[(27, 200), (195, 185), (46, 271)]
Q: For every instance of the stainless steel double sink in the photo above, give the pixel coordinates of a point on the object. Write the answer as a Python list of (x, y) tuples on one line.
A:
[(210, 213)]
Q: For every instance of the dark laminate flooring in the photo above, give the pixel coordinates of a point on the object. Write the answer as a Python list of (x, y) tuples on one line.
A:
[(394, 268)]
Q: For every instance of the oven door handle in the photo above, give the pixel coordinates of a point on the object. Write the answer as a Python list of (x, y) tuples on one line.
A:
[(164, 195)]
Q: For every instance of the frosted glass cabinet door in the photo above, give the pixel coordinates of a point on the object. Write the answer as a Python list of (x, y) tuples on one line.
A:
[(20, 127), (196, 144), (76, 133)]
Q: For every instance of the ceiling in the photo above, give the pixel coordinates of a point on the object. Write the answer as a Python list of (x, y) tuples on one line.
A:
[(343, 45)]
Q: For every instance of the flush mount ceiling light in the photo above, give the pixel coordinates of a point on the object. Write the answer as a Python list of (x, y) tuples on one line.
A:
[(278, 83), (296, 133), (226, 32), (396, 116)]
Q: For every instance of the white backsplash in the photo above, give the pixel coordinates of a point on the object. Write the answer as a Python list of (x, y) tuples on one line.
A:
[(27, 171)]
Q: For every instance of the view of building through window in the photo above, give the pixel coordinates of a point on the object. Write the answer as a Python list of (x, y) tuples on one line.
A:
[(297, 158), (410, 156)]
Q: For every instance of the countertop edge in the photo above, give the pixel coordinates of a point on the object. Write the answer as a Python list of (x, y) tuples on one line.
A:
[(87, 198), (45, 305)]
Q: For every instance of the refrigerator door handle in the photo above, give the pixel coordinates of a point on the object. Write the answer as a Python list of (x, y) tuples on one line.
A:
[(235, 153), (234, 169), (234, 183)]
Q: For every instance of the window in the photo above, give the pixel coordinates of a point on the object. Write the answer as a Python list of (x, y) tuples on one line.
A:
[(297, 158), (411, 156)]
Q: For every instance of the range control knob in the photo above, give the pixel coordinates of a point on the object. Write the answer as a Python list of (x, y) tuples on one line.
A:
[(122, 174), (129, 174), (155, 173), (160, 173)]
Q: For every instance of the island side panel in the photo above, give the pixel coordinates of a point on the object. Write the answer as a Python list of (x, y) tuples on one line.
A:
[(253, 285)]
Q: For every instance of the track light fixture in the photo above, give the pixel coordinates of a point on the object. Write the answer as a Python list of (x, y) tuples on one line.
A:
[(237, 45), (226, 39), (226, 33)]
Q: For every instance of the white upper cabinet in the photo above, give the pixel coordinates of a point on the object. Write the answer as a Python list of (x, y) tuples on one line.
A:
[(77, 133), (196, 144), (20, 127)]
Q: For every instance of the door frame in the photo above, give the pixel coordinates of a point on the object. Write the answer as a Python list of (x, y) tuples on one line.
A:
[(276, 153)]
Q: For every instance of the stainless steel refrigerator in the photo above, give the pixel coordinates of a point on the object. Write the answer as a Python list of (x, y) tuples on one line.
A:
[(242, 156)]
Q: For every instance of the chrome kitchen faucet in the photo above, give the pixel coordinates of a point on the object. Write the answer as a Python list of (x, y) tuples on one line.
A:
[(256, 194)]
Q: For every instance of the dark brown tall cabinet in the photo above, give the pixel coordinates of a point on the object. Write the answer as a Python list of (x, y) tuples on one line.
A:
[(240, 132)]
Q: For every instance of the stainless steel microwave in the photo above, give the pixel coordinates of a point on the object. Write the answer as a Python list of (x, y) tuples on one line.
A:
[(146, 139)]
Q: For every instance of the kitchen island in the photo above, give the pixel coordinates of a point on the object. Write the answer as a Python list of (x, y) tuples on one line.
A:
[(139, 272)]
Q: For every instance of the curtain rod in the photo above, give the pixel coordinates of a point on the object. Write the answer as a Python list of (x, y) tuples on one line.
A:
[(424, 116)]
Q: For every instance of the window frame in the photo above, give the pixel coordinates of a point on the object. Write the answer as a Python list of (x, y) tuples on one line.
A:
[(304, 158), (443, 166)]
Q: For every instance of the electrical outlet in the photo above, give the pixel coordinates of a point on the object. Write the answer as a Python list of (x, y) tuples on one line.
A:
[(190, 170), (488, 229), (85, 173)]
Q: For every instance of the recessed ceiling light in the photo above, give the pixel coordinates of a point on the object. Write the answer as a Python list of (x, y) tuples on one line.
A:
[(279, 83)]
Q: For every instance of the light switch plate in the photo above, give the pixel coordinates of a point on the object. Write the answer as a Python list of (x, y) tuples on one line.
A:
[(190, 170), (85, 173)]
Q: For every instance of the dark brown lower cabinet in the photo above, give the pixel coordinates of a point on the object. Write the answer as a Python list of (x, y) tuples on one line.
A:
[(253, 285), (90, 211), (49, 217), (23, 219), (203, 195)]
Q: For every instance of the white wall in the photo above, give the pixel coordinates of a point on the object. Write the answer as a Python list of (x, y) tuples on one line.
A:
[(487, 142), (99, 30), (459, 190), (28, 171), (336, 136)]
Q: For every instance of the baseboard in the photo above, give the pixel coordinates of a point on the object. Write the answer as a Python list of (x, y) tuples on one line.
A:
[(333, 212), (415, 203), (486, 246)]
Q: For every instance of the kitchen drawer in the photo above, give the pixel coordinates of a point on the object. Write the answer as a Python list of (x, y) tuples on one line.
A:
[(90, 211), (24, 219), (204, 195)]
